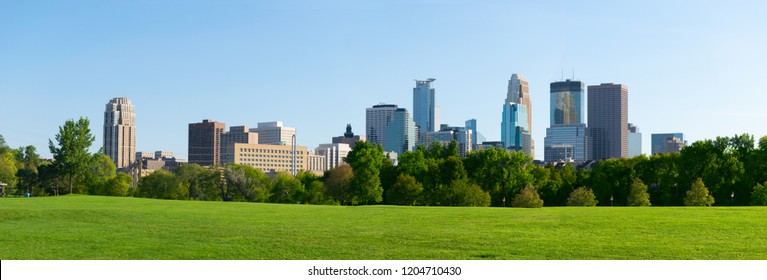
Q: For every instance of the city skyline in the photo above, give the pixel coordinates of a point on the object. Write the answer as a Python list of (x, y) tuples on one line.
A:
[(237, 62)]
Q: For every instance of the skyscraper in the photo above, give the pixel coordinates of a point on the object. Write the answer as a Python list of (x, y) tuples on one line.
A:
[(567, 138), (400, 133), (377, 119), (608, 120), (567, 101), (120, 132), (635, 141), (205, 142), (472, 125), (348, 137), (515, 133), (519, 92), (424, 106)]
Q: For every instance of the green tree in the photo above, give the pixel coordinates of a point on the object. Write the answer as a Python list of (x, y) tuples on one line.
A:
[(638, 195), (8, 167), (582, 197), (2, 142), (286, 189), (161, 184), (698, 195), (118, 185), (527, 198), (70, 153), (245, 183), (759, 195), (200, 181), (365, 160), (100, 171), (27, 161), (466, 193), (337, 183), (406, 191)]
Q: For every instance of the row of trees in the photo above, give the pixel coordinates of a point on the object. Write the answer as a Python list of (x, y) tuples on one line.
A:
[(728, 170)]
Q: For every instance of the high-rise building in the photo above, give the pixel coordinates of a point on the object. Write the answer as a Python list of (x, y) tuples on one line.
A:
[(472, 125), (268, 158), (515, 133), (120, 132), (349, 137), (667, 142), (608, 120), (238, 134), (567, 102), (401, 133), (567, 138), (334, 154), (424, 106), (205, 142), (519, 93), (635, 141), (377, 119), (274, 133), (567, 142)]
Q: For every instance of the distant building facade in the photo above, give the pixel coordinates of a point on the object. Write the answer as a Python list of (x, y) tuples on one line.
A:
[(567, 102), (667, 142), (515, 133), (377, 118), (159, 160), (425, 114), (635, 141), (472, 125), (205, 142), (335, 154), (274, 133), (608, 120), (400, 133), (447, 134), (120, 132), (348, 137)]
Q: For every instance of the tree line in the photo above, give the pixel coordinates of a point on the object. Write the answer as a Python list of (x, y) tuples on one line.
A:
[(723, 171)]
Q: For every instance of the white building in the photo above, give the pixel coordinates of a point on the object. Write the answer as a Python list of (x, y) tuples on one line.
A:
[(274, 133), (334, 154)]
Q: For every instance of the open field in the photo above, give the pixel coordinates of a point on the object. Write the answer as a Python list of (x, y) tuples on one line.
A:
[(92, 227)]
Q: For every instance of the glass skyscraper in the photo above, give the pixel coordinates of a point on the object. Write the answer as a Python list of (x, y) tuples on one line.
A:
[(515, 133), (567, 139), (424, 108), (472, 125), (400, 133), (567, 102)]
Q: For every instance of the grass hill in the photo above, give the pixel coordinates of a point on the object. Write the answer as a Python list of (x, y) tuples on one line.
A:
[(92, 227)]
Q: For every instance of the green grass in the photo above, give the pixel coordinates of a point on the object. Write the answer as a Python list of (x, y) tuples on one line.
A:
[(91, 227)]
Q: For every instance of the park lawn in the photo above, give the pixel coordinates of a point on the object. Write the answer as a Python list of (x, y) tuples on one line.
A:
[(94, 227)]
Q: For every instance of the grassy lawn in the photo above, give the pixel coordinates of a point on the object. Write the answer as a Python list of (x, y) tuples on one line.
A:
[(92, 227)]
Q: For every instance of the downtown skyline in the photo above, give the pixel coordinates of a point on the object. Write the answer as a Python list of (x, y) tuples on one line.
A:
[(695, 68)]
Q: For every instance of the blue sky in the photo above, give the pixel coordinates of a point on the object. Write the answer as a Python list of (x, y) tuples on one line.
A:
[(696, 67)]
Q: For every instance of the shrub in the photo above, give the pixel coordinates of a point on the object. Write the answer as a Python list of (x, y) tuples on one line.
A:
[(698, 195), (638, 195), (405, 191), (468, 194), (582, 197), (759, 195), (527, 198)]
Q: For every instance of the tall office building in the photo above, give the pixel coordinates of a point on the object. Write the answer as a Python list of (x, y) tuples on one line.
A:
[(608, 120), (205, 142), (472, 125), (120, 132), (425, 113), (567, 138), (377, 119), (635, 141), (274, 133), (515, 133), (401, 133), (567, 102), (519, 92), (667, 142)]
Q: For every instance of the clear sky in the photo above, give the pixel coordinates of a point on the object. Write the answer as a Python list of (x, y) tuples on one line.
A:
[(697, 67)]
